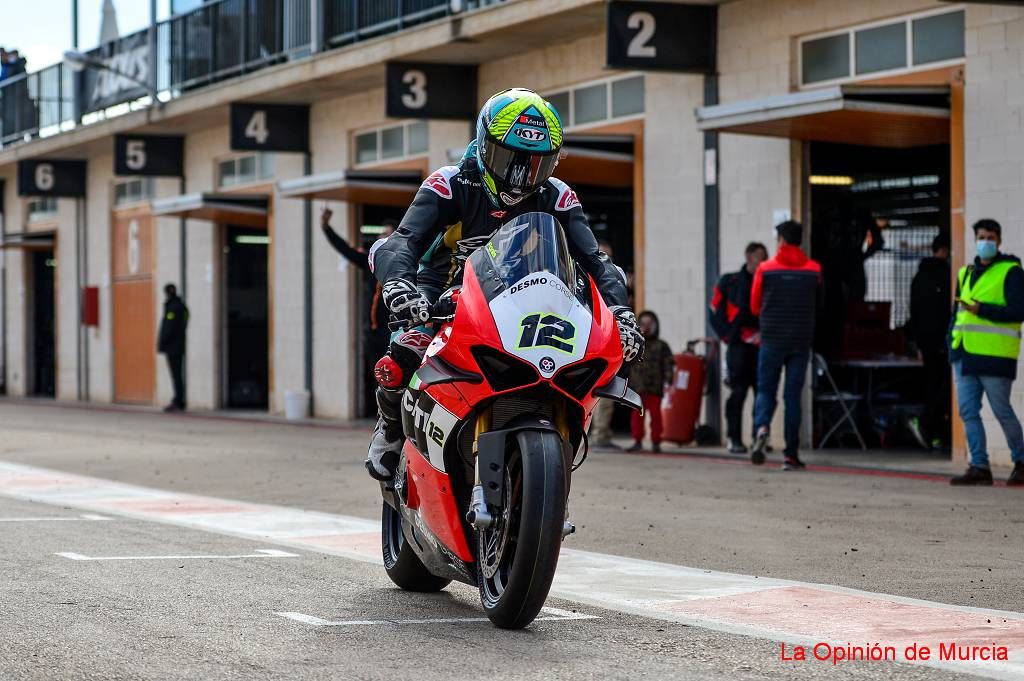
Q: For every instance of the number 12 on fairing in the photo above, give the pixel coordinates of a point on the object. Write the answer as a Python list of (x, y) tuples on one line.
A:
[(549, 330)]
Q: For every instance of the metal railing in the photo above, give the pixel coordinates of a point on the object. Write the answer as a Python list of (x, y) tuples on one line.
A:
[(220, 40)]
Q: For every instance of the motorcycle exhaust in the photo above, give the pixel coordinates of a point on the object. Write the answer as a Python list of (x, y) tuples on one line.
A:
[(478, 516)]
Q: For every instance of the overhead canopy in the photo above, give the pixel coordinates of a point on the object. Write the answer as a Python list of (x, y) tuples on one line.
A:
[(29, 242), (379, 187), (601, 160), (247, 210), (875, 115)]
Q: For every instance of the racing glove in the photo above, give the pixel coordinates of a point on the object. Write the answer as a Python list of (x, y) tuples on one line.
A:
[(629, 333), (405, 301)]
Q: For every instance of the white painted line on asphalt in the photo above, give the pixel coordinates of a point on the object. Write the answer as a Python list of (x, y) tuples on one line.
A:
[(48, 519), (549, 615), (773, 609), (260, 553)]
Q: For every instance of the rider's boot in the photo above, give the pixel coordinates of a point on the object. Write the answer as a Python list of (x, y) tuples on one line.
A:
[(386, 446)]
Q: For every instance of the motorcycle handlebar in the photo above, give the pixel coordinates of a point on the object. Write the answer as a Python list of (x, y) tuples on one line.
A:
[(406, 324)]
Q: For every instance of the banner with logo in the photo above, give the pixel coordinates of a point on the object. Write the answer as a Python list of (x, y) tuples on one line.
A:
[(99, 88)]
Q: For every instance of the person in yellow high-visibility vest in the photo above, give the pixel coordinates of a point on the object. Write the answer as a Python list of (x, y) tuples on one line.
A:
[(984, 345)]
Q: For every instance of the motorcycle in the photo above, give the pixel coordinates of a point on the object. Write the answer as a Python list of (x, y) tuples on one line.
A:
[(495, 417)]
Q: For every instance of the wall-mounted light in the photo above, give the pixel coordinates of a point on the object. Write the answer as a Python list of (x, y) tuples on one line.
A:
[(832, 180)]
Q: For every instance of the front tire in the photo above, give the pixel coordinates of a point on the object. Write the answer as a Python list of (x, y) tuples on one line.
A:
[(400, 561), (521, 550)]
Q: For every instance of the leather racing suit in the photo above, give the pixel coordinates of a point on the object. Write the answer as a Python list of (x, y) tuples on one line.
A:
[(450, 218)]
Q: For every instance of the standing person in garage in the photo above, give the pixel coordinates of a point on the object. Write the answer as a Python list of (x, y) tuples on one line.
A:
[(786, 294), (376, 334), (737, 327), (929, 324), (984, 347), (649, 378), (601, 423), (172, 343)]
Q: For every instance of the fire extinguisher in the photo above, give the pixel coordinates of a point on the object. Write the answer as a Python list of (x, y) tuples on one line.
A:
[(682, 402)]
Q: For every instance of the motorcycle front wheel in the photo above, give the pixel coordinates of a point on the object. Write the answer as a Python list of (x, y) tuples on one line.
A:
[(519, 552), (402, 564)]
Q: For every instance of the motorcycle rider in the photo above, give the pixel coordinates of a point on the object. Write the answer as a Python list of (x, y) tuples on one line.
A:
[(505, 172)]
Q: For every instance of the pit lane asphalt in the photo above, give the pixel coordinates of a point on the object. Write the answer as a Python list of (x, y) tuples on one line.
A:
[(216, 619)]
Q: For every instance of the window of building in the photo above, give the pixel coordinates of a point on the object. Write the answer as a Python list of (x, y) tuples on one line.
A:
[(392, 142), (917, 41), (938, 38), (244, 169), (602, 101), (881, 48), (132, 190), (41, 208), (826, 58)]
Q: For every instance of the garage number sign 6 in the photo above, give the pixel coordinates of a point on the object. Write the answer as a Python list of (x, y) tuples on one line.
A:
[(51, 177)]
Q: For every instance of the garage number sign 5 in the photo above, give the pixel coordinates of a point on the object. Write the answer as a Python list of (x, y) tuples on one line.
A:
[(149, 155)]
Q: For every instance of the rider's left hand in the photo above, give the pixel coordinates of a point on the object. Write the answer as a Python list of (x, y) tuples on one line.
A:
[(629, 333)]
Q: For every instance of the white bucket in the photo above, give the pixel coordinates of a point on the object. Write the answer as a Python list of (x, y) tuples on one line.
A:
[(296, 404)]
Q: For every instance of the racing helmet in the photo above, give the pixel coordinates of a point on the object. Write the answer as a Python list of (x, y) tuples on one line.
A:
[(518, 144)]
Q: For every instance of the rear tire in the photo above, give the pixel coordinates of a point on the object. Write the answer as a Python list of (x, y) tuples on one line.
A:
[(516, 592), (400, 561)]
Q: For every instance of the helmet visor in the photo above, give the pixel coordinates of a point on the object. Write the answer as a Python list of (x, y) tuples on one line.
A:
[(516, 169)]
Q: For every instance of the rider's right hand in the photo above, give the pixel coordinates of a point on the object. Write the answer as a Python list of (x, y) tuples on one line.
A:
[(405, 301)]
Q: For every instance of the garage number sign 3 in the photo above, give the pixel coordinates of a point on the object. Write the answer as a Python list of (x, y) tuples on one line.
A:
[(426, 90)]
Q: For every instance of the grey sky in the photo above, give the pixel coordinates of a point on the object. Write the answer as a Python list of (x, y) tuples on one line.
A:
[(41, 29)]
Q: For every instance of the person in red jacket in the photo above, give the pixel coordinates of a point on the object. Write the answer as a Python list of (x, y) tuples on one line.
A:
[(786, 294)]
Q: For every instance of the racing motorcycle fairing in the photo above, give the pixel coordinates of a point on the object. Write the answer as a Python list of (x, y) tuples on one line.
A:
[(530, 340)]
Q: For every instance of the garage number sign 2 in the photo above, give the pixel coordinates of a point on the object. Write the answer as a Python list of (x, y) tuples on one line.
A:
[(51, 177), (149, 155), (661, 36), (269, 127), (427, 90)]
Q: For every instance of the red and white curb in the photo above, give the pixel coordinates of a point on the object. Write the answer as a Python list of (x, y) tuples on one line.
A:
[(814, 616)]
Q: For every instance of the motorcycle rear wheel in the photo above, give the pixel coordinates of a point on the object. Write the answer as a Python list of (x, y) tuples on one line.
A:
[(402, 564), (517, 556)]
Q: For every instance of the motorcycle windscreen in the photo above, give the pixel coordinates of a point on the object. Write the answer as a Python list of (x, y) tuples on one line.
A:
[(530, 283)]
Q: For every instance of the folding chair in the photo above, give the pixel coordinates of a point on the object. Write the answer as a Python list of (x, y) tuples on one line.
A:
[(836, 397)]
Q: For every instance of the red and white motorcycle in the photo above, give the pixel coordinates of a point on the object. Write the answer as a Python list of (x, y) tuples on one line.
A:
[(494, 418)]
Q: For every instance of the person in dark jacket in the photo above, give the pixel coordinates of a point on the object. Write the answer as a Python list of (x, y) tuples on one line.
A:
[(984, 345), (360, 258), (928, 326), (786, 294), (172, 343), (376, 334), (649, 378), (737, 327)]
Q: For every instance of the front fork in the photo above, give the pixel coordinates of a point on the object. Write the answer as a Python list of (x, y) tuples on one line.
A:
[(478, 516)]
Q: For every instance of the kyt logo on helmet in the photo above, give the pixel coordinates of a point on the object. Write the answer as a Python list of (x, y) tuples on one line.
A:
[(518, 145)]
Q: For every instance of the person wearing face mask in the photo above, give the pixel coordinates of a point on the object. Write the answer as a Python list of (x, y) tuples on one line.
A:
[(984, 342)]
